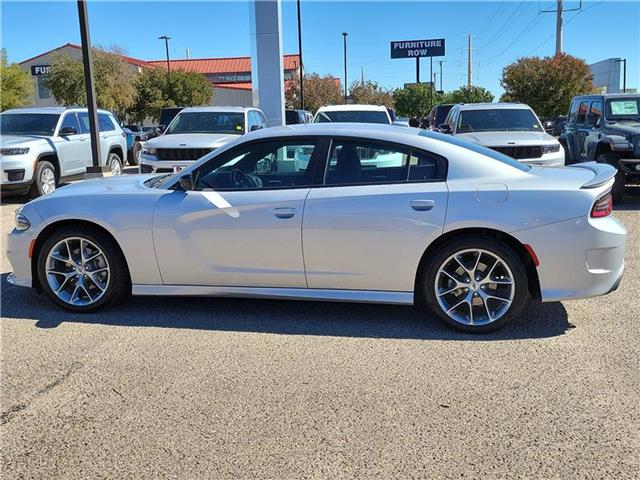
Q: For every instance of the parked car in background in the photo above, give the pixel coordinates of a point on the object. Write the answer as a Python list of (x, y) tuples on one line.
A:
[(294, 117), (194, 132), (509, 128), (606, 129), (558, 127), (152, 131), (437, 116), (401, 122), (353, 114), (554, 125), (167, 114), (43, 147), (461, 230)]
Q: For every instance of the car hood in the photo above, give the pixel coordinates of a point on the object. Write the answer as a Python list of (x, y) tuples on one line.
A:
[(508, 138), (125, 184), (623, 128), (21, 140), (191, 140)]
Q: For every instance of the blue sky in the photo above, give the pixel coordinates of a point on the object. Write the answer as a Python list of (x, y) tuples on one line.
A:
[(502, 30)]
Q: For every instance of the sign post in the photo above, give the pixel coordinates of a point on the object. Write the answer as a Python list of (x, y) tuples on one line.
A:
[(416, 49)]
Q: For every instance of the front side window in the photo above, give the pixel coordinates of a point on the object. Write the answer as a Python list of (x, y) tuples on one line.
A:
[(498, 120), (28, 123), (582, 113), (595, 113), (361, 163), (207, 122), (353, 116), (70, 120), (263, 165)]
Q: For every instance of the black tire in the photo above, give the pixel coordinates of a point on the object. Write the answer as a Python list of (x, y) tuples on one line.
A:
[(495, 247), (119, 283), (132, 155), (613, 159), (114, 156), (567, 153), (37, 187)]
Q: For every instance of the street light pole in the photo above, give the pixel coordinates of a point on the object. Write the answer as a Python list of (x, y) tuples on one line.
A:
[(344, 36), (624, 73), (166, 47), (87, 62), (300, 66)]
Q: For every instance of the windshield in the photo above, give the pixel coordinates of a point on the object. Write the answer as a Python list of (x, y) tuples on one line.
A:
[(353, 116), (207, 122), (498, 119), (28, 123), (623, 109)]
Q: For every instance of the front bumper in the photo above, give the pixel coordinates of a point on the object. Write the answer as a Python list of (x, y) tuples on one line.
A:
[(151, 164), (588, 260), (630, 166), (18, 244), (554, 159), (16, 172)]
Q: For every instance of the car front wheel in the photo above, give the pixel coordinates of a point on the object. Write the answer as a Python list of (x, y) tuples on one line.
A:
[(475, 284), (81, 269), (44, 180)]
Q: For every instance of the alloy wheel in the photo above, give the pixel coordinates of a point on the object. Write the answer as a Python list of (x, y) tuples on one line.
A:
[(47, 181), (474, 287), (77, 271), (115, 166)]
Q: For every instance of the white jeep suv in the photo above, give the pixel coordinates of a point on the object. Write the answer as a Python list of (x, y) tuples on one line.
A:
[(193, 133), (509, 128), (43, 147), (353, 114)]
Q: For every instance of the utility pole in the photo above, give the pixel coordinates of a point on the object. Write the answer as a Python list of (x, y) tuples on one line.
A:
[(559, 28), (87, 62), (344, 36), (166, 47), (432, 83), (361, 74), (300, 53), (441, 62), (186, 51), (469, 61)]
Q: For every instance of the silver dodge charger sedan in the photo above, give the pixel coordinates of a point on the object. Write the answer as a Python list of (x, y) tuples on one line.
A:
[(337, 212)]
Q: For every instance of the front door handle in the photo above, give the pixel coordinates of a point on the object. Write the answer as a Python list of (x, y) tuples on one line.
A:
[(422, 205), (284, 212)]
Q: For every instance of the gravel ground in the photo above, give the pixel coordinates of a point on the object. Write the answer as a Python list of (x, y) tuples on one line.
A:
[(204, 388)]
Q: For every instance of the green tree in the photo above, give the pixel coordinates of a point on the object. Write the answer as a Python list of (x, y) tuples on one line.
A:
[(188, 89), (114, 80), (371, 93), (16, 86), (318, 91), (546, 84), (467, 94), (412, 100)]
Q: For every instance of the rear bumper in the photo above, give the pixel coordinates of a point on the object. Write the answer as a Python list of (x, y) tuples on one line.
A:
[(579, 258)]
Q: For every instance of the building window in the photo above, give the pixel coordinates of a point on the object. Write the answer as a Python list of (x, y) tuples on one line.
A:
[(43, 91)]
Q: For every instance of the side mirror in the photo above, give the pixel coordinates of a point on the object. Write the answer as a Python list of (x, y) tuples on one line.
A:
[(66, 131), (186, 182), (255, 127), (444, 128)]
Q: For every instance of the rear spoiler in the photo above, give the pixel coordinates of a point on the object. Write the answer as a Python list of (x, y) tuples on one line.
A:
[(603, 173)]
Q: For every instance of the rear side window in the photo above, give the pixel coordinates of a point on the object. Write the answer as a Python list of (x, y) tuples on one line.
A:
[(353, 162), (106, 124), (582, 112), (595, 112)]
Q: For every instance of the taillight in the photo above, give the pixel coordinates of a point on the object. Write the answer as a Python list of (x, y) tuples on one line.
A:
[(603, 206)]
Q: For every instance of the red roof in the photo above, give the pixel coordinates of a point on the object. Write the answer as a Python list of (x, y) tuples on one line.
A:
[(133, 61), (223, 65)]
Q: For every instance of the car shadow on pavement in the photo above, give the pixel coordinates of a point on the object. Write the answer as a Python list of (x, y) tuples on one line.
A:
[(539, 320)]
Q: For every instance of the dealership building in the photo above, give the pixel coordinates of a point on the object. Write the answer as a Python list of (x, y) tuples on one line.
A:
[(230, 77)]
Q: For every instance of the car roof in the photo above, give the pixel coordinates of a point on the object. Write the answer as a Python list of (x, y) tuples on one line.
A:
[(493, 106), (50, 110), (351, 108), (218, 109), (607, 95)]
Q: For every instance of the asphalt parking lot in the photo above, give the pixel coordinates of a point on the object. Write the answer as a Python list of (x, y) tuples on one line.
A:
[(205, 388)]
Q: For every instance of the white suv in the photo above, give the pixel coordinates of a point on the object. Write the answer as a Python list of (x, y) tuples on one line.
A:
[(509, 128), (43, 147), (353, 114), (194, 132)]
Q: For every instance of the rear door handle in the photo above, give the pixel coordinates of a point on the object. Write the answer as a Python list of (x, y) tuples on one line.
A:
[(422, 205), (284, 212)]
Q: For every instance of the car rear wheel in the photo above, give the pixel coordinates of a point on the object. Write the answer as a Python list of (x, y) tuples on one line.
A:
[(475, 284), (617, 191), (115, 164), (81, 269), (44, 180)]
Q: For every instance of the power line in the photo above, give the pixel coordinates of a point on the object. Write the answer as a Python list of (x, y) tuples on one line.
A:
[(529, 27), (491, 19), (502, 28)]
